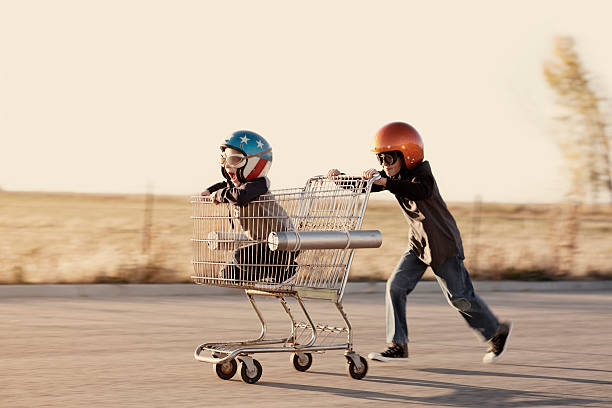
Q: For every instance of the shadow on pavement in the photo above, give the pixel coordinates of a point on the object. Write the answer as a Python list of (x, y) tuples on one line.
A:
[(460, 396), (560, 368), (449, 371)]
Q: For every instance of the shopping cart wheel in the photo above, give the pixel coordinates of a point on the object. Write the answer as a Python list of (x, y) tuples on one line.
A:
[(251, 377), (226, 370), (353, 372), (301, 361)]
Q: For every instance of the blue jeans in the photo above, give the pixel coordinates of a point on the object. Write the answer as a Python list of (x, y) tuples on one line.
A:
[(257, 261), (457, 286)]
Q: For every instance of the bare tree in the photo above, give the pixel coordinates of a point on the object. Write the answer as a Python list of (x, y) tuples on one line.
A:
[(584, 141), (584, 144)]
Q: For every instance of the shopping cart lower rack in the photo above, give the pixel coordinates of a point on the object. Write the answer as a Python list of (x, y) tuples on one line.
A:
[(292, 243)]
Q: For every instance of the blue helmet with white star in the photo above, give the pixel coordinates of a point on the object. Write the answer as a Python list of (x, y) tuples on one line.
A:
[(256, 150)]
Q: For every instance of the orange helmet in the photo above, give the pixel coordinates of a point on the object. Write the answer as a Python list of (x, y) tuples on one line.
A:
[(400, 136)]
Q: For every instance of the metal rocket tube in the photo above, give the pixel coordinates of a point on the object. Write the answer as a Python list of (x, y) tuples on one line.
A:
[(299, 240)]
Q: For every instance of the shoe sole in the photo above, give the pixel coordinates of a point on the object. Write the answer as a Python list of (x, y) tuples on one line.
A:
[(488, 360), (378, 357)]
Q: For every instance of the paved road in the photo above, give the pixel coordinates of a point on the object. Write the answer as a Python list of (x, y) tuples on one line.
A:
[(138, 352)]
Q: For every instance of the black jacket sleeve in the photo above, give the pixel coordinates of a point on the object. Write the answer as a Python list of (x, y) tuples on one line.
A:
[(415, 189), (243, 194), (217, 186), (414, 185)]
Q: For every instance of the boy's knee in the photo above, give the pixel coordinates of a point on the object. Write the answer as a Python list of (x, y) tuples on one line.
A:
[(398, 288), (461, 304), (394, 290)]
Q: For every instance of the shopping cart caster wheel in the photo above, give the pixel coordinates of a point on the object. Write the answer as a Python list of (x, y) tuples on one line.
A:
[(226, 370), (251, 377), (301, 361), (357, 374)]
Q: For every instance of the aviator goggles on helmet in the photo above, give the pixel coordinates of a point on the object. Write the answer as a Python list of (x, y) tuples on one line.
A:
[(387, 158), (233, 160)]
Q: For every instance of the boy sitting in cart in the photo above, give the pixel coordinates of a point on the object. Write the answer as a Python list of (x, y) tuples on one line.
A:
[(246, 158)]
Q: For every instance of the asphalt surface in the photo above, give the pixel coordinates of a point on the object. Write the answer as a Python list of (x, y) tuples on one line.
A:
[(138, 352)]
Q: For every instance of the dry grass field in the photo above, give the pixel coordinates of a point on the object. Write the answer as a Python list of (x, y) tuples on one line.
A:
[(80, 238)]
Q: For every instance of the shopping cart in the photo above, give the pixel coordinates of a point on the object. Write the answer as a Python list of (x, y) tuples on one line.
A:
[(292, 243)]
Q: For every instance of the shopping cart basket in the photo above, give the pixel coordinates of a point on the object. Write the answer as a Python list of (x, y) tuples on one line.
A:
[(292, 243)]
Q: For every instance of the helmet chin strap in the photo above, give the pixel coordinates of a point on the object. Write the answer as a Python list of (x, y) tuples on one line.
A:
[(402, 160), (240, 174), (228, 178), (225, 175)]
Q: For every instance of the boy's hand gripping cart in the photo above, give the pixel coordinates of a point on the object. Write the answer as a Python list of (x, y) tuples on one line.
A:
[(292, 243)]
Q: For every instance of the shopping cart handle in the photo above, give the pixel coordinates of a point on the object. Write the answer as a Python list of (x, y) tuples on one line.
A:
[(340, 176), (300, 240)]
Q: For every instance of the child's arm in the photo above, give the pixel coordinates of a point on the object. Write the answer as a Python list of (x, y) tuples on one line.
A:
[(243, 194), (331, 174), (214, 188), (417, 188)]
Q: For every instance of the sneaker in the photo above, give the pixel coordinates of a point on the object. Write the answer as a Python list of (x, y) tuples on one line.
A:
[(498, 343), (395, 352)]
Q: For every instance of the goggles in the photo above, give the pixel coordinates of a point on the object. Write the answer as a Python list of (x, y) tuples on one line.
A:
[(387, 158), (233, 160)]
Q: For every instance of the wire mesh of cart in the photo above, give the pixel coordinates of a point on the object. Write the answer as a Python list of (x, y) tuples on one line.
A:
[(291, 243)]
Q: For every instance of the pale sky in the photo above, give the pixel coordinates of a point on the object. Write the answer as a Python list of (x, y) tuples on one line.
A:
[(115, 96)]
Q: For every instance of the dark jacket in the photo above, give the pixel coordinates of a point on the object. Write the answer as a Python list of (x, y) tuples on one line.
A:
[(226, 192), (263, 216), (434, 236)]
